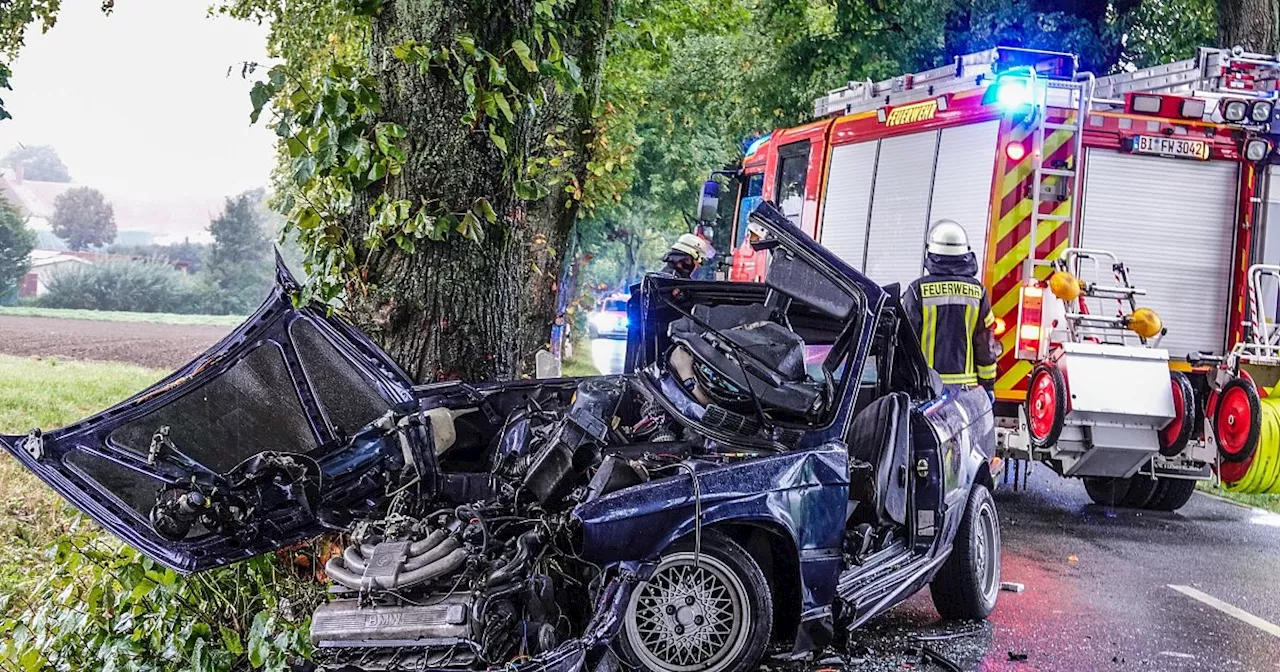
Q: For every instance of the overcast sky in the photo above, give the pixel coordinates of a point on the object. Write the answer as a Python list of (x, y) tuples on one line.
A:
[(139, 102)]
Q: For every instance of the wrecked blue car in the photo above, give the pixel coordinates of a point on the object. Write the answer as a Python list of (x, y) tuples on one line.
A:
[(778, 465)]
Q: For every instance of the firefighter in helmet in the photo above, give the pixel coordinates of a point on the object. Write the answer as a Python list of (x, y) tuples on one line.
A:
[(684, 257), (951, 313)]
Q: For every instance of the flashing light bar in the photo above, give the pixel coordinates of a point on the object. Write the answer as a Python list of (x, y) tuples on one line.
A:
[(1168, 106)]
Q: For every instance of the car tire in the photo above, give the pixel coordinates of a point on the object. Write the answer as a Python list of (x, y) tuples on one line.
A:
[(1106, 491), (968, 583), (685, 588), (1172, 494), (1177, 434), (1141, 490)]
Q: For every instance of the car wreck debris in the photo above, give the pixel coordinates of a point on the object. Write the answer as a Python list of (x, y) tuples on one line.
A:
[(775, 467)]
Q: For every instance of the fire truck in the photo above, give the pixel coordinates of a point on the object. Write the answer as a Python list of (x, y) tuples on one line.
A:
[(1162, 172)]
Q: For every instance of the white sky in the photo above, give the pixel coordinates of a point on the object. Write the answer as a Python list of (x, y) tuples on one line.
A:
[(140, 102)]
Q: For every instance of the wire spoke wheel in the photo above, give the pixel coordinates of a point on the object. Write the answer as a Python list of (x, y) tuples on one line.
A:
[(986, 552), (692, 614)]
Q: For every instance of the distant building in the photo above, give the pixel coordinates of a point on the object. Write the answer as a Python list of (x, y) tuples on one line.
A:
[(158, 220), (44, 265)]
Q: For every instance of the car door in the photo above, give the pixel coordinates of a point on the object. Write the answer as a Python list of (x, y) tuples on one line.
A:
[(254, 445)]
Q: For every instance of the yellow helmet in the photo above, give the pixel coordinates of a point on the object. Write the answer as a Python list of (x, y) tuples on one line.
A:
[(1065, 286), (1145, 323)]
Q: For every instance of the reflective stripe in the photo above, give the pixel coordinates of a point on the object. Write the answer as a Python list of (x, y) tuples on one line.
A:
[(928, 332), (987, 372), (970, 318), (958, 378), (949, 301), (989, 320)]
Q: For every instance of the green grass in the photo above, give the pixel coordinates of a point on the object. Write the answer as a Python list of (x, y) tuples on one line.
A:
[(1266, 502), (47, 393), (118, 316)]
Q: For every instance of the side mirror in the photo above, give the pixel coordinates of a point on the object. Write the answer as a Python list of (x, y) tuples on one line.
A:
[(709, 201)]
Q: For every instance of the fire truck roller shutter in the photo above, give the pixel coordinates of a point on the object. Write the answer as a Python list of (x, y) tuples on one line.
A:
[(848, 201), (900, 208), (962, 180), (1171, 221)]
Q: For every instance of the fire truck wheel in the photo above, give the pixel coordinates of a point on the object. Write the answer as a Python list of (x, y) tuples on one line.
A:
[(1172, 494), (1141, 490), (1175, 436), (1237, 421), (1106, 491), (1046, 405)]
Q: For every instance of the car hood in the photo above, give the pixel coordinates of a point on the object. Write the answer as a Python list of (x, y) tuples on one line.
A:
[(270, 429)]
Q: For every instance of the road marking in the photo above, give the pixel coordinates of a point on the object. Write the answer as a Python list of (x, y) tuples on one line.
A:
[(1230, 610)]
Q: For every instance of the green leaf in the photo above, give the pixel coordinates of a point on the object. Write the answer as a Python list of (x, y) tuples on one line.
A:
[(486, 209), (470, 228), (231, 640), (502, 104), (378, 171), (497, 73), (525, 55), (468, 44), (498, 141), (304, 168), (259, 96)]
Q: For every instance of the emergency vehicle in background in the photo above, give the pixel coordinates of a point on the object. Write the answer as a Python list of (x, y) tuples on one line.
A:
[(1166, 169)]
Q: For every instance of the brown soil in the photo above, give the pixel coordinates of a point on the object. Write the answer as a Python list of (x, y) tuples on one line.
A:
[(161, 346)]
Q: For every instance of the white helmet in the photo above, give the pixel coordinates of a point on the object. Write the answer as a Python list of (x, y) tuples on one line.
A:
[(694, 246), (948, 239)]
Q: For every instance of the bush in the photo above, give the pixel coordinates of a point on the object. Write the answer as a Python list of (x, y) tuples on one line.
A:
[(99, 605), (138, 286)]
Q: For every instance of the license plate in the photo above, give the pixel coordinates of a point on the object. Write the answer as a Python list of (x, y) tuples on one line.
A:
[(1181, 148)]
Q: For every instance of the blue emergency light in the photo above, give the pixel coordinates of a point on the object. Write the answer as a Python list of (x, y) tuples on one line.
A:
[(1014, 94)]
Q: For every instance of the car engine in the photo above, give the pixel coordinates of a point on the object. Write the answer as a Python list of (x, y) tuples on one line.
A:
[(484, 583)]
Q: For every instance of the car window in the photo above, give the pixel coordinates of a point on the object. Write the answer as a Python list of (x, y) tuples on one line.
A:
[(792, 172)]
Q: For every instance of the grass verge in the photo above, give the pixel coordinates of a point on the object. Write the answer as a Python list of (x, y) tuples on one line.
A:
[(1265, 502), (48, 394), (118, 316)]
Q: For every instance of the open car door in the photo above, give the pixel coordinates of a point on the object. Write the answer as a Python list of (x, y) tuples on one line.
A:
[(254, 445)]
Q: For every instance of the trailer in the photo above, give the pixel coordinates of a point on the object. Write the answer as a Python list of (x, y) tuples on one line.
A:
[(1166, 168)]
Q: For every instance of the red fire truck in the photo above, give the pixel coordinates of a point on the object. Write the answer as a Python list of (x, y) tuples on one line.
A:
[(1163, 168)]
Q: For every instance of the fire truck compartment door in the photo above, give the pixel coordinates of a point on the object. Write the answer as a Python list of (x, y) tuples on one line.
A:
[(962, 180), (848, 201), (900, 211), (1171, 221)]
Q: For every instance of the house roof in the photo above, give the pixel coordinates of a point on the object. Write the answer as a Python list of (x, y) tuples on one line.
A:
[(41, 258)]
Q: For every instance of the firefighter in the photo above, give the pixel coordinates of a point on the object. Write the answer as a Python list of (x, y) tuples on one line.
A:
[(684, 257), (748, 263), (950, 312)]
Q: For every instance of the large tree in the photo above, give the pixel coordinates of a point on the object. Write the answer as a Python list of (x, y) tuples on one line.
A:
[(83, 218), (438, 156), (39, 163), (16, 242), (1252, 24), (238, 263)]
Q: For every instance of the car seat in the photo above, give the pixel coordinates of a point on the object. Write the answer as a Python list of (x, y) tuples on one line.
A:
[(879, 442)]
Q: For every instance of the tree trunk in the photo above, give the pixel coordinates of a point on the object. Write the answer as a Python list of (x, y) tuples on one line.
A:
[(458, 309), (1251, 24)]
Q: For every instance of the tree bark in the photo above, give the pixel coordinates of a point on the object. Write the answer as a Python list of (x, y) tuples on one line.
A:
[(1251, 24), (458, 309)]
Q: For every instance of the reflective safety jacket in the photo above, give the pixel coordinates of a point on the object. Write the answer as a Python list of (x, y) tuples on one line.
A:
[(952, 316)]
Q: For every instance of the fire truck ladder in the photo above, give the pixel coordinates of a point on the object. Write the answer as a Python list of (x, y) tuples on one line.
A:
[(1060, 181), (1210, 71)]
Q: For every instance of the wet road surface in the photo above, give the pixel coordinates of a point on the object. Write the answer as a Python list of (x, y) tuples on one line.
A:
[(1098, 593)]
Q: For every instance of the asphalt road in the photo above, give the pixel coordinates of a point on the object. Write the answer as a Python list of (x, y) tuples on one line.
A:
[(1098, 592)]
